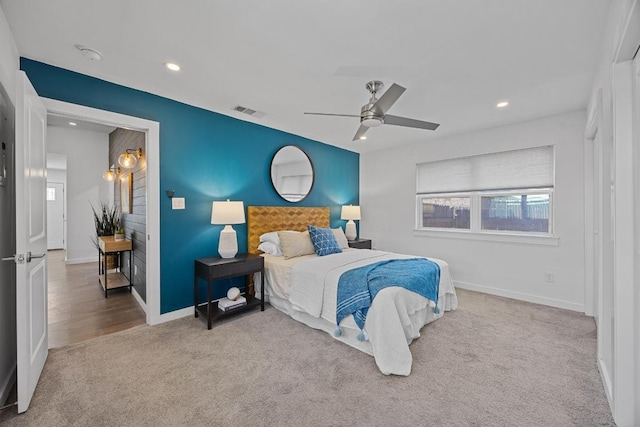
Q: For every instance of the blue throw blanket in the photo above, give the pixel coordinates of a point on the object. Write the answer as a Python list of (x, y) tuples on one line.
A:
[(359, 286)]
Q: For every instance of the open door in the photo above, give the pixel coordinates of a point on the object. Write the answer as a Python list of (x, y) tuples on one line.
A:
[(31, 239)]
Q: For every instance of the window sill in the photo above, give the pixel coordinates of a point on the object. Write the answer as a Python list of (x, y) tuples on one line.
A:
[(546, 240)]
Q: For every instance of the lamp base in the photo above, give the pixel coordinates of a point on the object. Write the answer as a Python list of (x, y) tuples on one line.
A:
[(228, 245), (350, 230)]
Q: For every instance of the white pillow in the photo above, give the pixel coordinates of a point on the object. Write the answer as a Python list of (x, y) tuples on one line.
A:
[(270, 248), (343, 243), (295, 244), (270, 237)]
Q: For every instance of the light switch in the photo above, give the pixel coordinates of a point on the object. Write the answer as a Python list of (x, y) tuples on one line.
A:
[(177, 203)]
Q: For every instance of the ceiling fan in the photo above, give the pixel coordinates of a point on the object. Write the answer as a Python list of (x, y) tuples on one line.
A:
[(374, 113)]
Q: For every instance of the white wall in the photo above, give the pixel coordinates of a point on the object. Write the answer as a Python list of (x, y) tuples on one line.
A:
[(9, 58), (9, 63), (87, 157), (517, 270)]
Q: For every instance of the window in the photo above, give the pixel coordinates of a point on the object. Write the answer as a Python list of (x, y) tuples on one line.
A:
[(515, 212), (509, 192), (51, 194), (446, 212)]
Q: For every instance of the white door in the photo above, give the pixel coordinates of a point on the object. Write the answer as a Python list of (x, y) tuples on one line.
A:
[(55, 215), (31, 239)]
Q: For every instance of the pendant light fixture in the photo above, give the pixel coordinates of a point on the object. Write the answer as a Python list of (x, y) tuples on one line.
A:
[(128, 160)]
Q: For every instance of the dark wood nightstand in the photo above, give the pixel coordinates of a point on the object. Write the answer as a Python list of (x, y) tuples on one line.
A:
[(360, 243), (216, 268)]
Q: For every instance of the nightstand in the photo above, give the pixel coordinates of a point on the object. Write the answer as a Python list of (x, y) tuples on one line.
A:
[(216, 268), (360, 243)]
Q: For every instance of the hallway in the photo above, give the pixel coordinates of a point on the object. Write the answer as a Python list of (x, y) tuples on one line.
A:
[(78, 310)]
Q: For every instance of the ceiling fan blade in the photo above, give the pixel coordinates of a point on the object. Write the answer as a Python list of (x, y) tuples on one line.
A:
[(361, 131), (411, 123), (330, 114), (389, 98)]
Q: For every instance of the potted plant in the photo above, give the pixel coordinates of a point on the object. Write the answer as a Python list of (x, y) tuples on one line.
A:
[(119, 234), (106, 221)]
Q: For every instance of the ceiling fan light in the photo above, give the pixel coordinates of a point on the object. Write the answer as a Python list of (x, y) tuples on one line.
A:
[(371, 122)]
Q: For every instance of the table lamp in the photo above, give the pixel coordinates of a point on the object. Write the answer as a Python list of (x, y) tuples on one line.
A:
[(350, 212), (227, 213)]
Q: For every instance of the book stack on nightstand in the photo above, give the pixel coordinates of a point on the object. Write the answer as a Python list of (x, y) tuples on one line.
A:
[(226, 304)]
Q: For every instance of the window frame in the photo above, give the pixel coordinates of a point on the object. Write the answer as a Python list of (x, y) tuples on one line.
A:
[(420, 197), (475, 232)]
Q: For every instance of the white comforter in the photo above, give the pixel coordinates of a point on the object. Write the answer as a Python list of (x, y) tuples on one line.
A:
[(396, 315)]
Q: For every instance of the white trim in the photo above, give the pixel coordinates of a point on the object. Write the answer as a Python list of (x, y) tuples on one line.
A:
[(138, 298), (624, 331), (547, 239), (594, 123), (152, 155), (605, 375), (81, 260), (177, 314), (520, 296)]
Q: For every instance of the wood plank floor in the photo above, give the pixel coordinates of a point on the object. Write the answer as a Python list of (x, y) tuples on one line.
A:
[(78, 310)]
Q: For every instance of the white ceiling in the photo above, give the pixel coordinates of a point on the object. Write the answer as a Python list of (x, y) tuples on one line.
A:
[(457, 59), (58, 121)]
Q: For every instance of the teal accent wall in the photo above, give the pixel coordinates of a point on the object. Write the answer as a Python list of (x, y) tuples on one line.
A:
[(204, 156)]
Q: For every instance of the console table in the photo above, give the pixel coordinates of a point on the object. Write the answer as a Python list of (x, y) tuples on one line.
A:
[(107, 245)]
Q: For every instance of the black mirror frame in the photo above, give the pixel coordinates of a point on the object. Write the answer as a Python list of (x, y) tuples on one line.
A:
[(313, 173)]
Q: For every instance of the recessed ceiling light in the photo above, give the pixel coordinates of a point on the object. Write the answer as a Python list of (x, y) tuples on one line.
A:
[(502, 104), (172, 66), (89, 53), (363, 137), (73, 124)]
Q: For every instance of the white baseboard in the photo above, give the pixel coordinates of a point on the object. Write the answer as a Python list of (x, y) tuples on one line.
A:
[(606, 381), (177, 314), (7, 384), (138, 298), (521, 296), (82, 260)]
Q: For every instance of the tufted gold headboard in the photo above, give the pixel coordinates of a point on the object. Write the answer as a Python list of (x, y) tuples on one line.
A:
[(264, 219)]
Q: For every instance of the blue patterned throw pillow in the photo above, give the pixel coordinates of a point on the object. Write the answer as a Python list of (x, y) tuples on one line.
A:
[(324, 241)]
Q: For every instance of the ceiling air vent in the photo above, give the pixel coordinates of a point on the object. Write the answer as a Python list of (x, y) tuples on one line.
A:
[(249, 111)]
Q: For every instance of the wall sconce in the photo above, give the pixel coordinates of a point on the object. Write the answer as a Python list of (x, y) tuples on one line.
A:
[(111, 173), (227, 213), (128, 160), (350, 212)]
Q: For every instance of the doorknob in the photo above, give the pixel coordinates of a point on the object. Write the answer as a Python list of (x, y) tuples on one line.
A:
[(30, 257), (18, 258)]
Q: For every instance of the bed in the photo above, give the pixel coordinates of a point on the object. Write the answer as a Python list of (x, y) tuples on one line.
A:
[(305, 288)]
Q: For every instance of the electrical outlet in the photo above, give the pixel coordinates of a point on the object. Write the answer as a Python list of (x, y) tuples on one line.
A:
[(548, 277)]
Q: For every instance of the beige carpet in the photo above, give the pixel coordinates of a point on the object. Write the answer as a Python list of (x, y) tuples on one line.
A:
[(493, 362)]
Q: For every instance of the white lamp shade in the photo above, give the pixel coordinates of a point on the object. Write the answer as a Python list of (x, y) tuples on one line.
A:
[(350, 212), (224, 213)]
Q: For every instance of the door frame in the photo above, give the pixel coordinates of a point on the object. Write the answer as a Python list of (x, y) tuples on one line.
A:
[(152, 158)]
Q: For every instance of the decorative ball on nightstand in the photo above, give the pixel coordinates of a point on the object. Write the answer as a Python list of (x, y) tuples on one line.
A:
[(233, 293)]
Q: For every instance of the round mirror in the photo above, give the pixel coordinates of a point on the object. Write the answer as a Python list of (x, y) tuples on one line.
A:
[(292, 173)]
